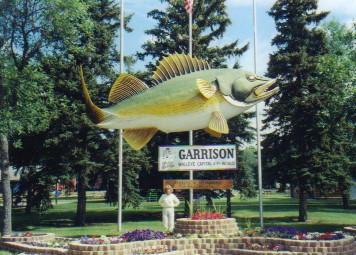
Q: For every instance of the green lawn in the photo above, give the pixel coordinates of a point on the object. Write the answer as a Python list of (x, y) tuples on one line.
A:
[(279, 209)]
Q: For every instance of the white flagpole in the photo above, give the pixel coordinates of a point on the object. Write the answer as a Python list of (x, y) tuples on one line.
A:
[(119, 192), (191, 132), (257, 118)]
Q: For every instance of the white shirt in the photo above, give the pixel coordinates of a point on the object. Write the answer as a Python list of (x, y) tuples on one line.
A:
[(168, 201)]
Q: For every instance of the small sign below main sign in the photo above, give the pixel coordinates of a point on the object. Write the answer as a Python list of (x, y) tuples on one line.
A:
[(185, 158), (199, 184)]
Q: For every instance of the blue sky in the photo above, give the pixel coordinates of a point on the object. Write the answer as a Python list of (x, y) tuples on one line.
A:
[(240, 12)]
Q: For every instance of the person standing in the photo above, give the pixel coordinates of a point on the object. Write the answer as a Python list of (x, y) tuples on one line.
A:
[(168, 201)]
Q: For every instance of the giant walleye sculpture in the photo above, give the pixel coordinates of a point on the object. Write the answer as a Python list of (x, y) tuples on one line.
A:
[(188, 96)]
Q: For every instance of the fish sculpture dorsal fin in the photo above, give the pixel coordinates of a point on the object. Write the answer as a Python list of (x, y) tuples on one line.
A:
[(176, 65), (125, 86)]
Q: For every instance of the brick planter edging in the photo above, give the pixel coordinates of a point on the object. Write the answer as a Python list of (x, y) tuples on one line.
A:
[(227, 226), (77, 248), (233, 246), (44, 237), (204, 246), (17, 247)]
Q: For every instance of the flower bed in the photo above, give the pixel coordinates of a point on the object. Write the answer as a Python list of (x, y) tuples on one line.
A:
[(142, 235), (266, 242), (264, 247), (62, 243), (102, 240), (350, 229), (297, 234)]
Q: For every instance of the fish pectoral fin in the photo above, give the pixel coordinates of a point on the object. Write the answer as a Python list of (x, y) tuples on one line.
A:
[(213, 133), (206, 88), (218, 123), (137, 138)]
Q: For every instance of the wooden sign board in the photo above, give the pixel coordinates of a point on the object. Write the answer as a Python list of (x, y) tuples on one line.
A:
[(197, 157), (199, 184)]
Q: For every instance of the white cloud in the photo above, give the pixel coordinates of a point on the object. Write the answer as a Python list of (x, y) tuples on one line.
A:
[(260, 3), (338, 7)]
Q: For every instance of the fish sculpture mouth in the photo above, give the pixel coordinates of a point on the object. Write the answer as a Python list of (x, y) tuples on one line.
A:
[(263, 91)]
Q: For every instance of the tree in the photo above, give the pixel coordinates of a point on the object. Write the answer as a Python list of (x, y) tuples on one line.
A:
[(134, 163), (27, 99), (246, 172), (334, 89), (299, 47), (25, 107), (170, 35), (5, 186), (77, 140)]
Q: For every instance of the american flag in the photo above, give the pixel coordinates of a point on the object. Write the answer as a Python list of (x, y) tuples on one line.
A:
[(189, 6)]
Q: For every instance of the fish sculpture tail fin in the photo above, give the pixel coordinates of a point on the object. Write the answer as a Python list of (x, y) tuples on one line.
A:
[(95, 114)]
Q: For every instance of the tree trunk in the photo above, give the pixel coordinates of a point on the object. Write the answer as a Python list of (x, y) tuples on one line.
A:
[(303, 216), (29, 199), (6, 187), (345, 201), (292, 190), (81, 206), (344, 187)]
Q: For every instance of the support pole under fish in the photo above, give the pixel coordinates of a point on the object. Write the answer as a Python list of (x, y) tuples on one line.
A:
[(119, 192), (191, 132), (257, 119)]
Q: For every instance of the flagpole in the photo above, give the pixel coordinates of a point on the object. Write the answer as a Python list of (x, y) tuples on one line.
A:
[(257, 118), (191, 196), (119, 192)]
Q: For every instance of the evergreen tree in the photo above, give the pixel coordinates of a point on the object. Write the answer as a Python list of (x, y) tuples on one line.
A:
[(299, 46), (83, 148), (334, 90), (170, 35)]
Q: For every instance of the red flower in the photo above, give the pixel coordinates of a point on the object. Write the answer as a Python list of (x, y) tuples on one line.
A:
[(28, 234), (207, 216)]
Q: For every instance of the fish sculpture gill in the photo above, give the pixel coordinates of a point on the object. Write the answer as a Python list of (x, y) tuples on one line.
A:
[(188, 96)]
